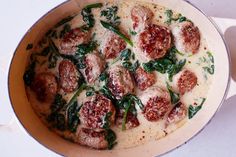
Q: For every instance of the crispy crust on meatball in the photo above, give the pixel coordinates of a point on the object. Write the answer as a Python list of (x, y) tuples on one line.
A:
[(45, 86), (91, 138), (141, 16), (156, 108), (186, 82), (112, 45), (68, 76), (177, 114), (154, 41), (187, 37), (120, 81), (70, 41), (94, 110), (144, 79)]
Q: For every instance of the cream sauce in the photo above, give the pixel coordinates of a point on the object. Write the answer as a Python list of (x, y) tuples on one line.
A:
[(146, 131)]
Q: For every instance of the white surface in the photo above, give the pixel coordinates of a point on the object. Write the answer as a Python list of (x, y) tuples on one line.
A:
[(217, 139)]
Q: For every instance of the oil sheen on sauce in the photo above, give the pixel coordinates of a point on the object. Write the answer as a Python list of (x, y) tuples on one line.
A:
[(146, 131)]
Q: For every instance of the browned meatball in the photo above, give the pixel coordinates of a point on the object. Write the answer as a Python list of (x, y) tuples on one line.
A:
[(187, 37), (112, 45), (131, 120), (156, 103), (177, 114), (45, 86), (141, 16), (68, 76), (144, 79), (120, 81), (93, 139), (154, 41), (94, 67), (70, 41), (186, 82), (94, 110)]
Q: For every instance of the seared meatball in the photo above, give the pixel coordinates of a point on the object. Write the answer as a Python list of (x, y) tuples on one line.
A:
[(68, 76), (177, 114), (131, 120), (94, 110), (144, 79), (120, 82), (70, 41), (91, 138), (141, 17), (112, 45), (94, 67), (156, 103), (187, 37), (45, 86), (154, 41), (185, 81)]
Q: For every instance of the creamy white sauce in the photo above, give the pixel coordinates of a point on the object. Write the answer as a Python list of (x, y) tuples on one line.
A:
[(146, 131)]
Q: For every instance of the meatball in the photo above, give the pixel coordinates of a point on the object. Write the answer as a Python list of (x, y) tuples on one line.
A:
[(144, 79), (94, 110), (70, 41), (94, 67), (177, 114), (141, 17), (68, 76), (156, 103), (154, 41), (185, 81), (120, 81), (91, 138), (45, 86), (131, 119), (187, 37), (112, 45)]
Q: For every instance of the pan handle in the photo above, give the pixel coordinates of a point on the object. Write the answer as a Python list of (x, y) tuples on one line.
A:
[(224, 24)]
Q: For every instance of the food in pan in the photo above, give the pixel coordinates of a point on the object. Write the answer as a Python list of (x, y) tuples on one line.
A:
[(119, 74)]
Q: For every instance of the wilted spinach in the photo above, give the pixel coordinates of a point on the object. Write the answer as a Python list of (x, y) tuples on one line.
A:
[(111, 15), (63, 21), (73, 117), (87, 15), (116, 31), (29, 73), (168, 64), (66, 28), (110, 138), (170, 18), (174, 96), (192, 110)]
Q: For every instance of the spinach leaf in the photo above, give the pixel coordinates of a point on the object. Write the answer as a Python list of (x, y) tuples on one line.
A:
[(127, 107), (58, 103), (131, 67), (125, 54), (170, 18), (73, 117), (110, 138), (131, 32), (111, 15), (83, 49), (103, 76), (107, 93), (74, 97), (116, 31), (174, 96), (168, 65), (29, 46), (106, 121), (58, 121), (29, 73), (63, 21), (90, 91), (87, 15), (66, 28), (81, 63), (192, 111)]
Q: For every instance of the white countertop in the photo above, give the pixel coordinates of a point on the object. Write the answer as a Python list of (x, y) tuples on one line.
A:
[(216, 140)]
